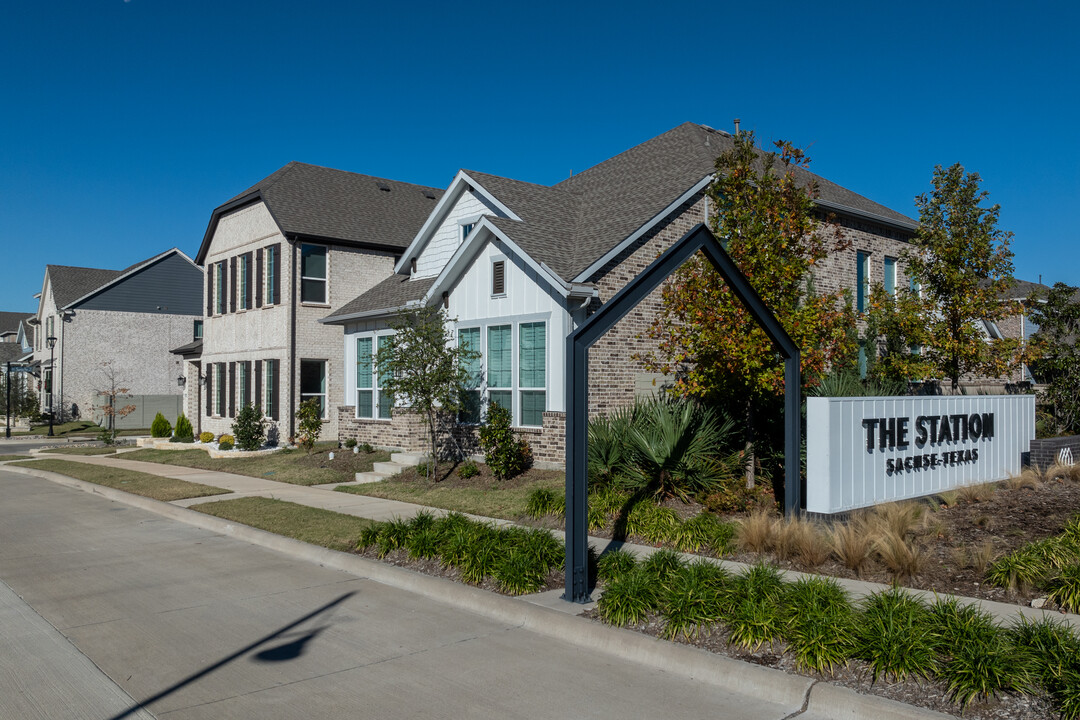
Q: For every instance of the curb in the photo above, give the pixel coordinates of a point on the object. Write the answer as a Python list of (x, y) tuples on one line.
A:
[(801, 694)]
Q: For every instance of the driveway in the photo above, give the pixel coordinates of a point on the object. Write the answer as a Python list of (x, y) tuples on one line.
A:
[(192, 624)]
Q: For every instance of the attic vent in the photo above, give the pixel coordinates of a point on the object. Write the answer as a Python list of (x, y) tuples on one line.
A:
[(383, 186), (429, 195)]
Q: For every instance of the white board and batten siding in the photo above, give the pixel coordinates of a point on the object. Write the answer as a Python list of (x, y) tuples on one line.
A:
[(865, 451), (447, 237)]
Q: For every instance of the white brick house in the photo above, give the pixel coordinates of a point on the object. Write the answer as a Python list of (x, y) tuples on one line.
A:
[(277, 257), (519, 265)]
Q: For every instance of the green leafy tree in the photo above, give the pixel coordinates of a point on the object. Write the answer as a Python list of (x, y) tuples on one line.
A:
[(766, 220), (1057, 316), (249, 428), (894, 337), (962, 262), (504, 452), (422, 366), (309, 423)]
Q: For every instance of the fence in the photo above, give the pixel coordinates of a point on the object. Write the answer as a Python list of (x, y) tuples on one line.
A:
[(146, 408)]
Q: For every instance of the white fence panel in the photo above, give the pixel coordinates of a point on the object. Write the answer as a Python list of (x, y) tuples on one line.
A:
[(864, 451)]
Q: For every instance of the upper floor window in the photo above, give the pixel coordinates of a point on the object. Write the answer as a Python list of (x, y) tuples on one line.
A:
[(219, 288), (270, 274), (313, 274), (890, 276), (245, 282), (466, 228), (862, 280), (197, 333)]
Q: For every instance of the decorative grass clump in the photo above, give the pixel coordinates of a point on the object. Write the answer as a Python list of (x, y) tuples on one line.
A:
[(895, 636), (615, 563), (1064, 588), (693, 598), (518, 560), (752, 607), (1052, 564), (543, 502), (629, 598), (819, 623)]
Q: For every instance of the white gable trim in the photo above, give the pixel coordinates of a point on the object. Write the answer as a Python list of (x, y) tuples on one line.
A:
[(606, 257), (467, 250), (462, 182)]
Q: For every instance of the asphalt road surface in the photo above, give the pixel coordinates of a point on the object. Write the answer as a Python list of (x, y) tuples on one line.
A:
[(109, 611)]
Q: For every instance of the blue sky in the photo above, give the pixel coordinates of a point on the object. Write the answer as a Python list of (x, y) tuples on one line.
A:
[(125, 123)]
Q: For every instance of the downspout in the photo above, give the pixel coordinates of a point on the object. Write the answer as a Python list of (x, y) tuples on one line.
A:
[(292, 344), (63, 316), (198, 397)]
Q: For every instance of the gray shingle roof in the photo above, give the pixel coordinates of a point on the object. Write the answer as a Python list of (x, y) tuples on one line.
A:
[(71, 283), (574, 223), (193, 348), (392, 293), (10, 352), (320, 202), (9, 321)]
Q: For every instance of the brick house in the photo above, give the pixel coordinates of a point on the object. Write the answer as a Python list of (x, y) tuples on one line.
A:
[(519, 265), (277, 257), (129, 318)]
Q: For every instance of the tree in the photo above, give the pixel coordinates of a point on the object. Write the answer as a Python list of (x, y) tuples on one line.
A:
[(249, 428), (422, 366), (1058, 319), (894, 336), (766, 221), (309, 424), (963, 265), (112, 393)]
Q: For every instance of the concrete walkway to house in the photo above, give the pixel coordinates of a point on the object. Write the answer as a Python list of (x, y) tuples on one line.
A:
[(373, 508)]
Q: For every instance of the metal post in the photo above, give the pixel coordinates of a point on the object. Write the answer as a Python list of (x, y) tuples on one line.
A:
[(52, 379), (793, 493), (577, 479), (7, 425)]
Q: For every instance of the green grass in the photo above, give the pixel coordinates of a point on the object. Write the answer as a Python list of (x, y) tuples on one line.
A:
[(81, 451), (497, 500), (328, 529), (12, 457), (132, 481), (287, 466), (61, 428)]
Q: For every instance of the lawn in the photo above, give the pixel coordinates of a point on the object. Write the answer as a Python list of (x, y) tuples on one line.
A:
[(307, 524), (287, 466), (12, 457), (137, 483), (81, 450), (478, 495), (76, 428)]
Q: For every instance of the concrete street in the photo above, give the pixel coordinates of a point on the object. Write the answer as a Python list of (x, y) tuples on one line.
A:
[(200, 625)]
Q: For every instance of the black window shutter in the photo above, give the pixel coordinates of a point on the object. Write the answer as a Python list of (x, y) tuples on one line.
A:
[(250, 274), (232, 388), (258, 278), (209, 389), (232, 284), (275, 386), (258, 385), (498, 278), (277, 292), (209, 290)]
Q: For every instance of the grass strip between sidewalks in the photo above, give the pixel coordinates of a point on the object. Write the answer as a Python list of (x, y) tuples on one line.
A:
[(80, 451), (287, 466), (12, 457), (494, 500), (137, 483), (329, 529)]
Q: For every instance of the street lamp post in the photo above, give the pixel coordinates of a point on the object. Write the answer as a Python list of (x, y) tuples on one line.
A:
[(52, 378), (7, 423)]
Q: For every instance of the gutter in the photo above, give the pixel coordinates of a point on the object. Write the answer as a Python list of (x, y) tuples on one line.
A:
[(909, 226)]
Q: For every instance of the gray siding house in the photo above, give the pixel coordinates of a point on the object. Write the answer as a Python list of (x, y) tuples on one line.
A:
[(118, 324)]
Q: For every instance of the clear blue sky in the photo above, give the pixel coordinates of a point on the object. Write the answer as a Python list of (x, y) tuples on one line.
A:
[(124, 123)]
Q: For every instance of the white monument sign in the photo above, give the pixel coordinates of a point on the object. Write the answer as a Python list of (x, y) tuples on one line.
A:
[(868, 450)]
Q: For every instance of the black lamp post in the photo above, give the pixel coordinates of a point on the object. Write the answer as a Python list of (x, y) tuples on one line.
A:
[(51, 341), (7, 424)]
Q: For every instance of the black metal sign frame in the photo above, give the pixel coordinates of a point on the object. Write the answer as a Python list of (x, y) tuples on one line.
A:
[(577, 389)]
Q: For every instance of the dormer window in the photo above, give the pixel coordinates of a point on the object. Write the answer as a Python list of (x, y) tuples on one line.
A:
[(466, 228)]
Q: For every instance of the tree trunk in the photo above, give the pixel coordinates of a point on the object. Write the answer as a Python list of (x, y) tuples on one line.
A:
[(433, 466), (749, 447)]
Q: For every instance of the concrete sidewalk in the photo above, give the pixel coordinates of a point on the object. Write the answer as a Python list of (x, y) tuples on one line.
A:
[(380, 509)]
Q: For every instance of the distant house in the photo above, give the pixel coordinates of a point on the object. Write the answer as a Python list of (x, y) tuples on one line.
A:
[(128, 318), (9, 326), (287, 251), (520, 265)]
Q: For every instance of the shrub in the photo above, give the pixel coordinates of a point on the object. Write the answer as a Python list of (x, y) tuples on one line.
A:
[(693, 598), (366, 447), (895, 636), (544, 502), (614, 564), (852, 544), (107, 436), (504, 452), (350, 443), (1052, 649), (422, 469), (309, 426), (732, 496), (752, 607), (468, 470), (628, 599), (160, 428), (249, 428), (608, 454), (206, 437), (1064, 588), (662, 565), (225, 445), (519, 573), (225, 437), (819, 623), (183, 432)]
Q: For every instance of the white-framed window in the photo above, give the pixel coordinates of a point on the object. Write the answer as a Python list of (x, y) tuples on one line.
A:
[(498, 278), (466, 228), (862, 281), (470, 402), (532, 372), (372, 401), (500, 366), (313, 383), (313, 274), (270, 298), (889, 274)]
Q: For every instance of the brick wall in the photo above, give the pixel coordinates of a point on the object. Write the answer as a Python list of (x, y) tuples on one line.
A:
[(1044, 452)]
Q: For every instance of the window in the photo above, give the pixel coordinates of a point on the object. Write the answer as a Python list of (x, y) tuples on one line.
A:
[(466, 228), (219, 291), (269, 253), (500, 357), (245, 282), (313, 274), (219, 386), (498, 277), (50, 330), (862, 288), (48, 384), (890, 276), (245, 383), (386, 400), (470, 405), (916, 288), (371, 400), (532, 363), (313, 383), (197, 330), (269, 398)]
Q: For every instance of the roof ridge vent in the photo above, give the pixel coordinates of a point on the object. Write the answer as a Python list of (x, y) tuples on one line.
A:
[(428, 194), (382, 186)]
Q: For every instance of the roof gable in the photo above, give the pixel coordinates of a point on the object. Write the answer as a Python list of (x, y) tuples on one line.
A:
[(316, 202)]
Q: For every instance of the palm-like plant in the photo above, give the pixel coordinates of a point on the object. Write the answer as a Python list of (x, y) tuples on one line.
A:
[(607, 445), (674, 447)]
